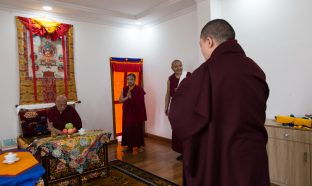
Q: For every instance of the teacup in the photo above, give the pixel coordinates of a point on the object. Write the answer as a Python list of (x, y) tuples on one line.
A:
[(82, 131), (10, 157)]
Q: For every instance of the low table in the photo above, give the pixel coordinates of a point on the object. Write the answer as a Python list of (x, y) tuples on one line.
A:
[(26, 171), (73, 159)]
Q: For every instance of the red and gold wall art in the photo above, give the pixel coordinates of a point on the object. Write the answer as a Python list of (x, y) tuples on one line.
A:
[(46, 61)]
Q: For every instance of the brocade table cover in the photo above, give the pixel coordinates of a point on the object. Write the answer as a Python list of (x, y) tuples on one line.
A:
[(75, 150)]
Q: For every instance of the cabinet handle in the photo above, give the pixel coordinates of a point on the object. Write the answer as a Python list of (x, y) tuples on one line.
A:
[(305, 156), (286, 135)]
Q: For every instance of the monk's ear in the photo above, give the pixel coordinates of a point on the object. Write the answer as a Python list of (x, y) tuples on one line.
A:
[(210, 41)]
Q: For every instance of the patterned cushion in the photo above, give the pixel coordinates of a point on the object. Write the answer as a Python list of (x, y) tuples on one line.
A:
[(34, 122)]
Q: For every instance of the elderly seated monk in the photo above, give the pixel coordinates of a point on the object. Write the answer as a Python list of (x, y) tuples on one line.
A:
[(61, 114)]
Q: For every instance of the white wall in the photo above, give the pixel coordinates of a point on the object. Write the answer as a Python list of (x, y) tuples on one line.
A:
[(277, 35), (175, 39), (93, 46), (206, 11), (9, 79), (203, 16)]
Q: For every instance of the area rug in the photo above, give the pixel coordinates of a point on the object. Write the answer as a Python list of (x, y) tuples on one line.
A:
[(122, 173)]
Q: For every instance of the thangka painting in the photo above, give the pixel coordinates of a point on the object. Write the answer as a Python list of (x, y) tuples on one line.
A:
[(46, 61)]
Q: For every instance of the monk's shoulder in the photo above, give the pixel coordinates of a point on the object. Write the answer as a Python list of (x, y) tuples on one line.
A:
[(255, 66), (51, 111), (203, 68), (139, 89), (172, 77), (71, 108)]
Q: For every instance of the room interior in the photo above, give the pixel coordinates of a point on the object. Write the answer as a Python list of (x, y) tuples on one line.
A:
[(276, 34)]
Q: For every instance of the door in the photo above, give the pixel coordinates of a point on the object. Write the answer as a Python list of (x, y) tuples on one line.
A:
[(120, 68), (279, 161)]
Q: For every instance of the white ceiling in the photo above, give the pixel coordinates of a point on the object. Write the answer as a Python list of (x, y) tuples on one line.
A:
[(111, 12)]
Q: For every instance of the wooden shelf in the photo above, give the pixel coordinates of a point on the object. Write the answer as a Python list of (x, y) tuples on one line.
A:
[(289, 152)]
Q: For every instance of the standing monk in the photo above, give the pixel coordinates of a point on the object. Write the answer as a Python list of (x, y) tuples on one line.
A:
[(219, 114), (61, 114), (134, 115), (172, 85)]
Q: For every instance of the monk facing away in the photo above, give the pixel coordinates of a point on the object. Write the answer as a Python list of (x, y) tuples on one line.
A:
[(61, 114), (133, 115), (219, 113)]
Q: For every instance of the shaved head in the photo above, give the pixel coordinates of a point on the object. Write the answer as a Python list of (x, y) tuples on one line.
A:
[(175, 62), (61, 103), (61, 98), (177, 67), (218, 29)]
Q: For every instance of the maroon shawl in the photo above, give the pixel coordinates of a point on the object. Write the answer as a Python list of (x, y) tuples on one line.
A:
[(173, 80), (134, 109), (219, 114), (175, 142), (69, 115)]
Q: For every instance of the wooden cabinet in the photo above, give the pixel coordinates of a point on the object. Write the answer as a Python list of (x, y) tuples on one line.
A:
[(289, 152)]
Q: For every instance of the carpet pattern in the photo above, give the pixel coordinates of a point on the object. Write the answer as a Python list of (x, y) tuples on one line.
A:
[(122, 173)]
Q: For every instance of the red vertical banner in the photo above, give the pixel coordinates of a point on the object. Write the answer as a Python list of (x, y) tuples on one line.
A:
[(65, 66), (120, 68)]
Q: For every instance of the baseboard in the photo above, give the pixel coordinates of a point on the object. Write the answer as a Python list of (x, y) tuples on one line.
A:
[(158, 138), (152, 136)]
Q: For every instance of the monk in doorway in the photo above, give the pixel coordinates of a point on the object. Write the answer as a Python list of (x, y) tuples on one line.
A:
[(134, 115)]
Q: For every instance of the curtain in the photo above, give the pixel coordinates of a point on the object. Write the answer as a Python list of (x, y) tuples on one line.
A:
[(120, 68)]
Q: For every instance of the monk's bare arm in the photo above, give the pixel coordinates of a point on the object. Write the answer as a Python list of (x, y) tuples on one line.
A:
[(123, 99), (52, 129), (167, 98)]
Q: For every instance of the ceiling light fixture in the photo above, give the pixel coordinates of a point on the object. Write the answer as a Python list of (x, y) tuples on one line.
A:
[(138, 23), (48, 8)]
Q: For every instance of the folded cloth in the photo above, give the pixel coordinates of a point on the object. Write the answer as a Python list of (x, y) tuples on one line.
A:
[(25, 171), (284, 119), (26, 161), (293, 120)]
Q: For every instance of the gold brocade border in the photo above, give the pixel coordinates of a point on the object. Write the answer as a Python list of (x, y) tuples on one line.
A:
[(27, 84)]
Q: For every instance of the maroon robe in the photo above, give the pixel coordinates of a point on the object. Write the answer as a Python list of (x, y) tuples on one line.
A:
[(69, 115), (175, 142), (219, 114), (133, 117)]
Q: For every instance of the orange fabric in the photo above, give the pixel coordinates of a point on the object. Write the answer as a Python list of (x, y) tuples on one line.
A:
[(118, 118), (118, 84), (26, 161)]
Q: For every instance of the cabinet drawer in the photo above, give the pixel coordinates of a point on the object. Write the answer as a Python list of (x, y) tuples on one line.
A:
[(289, 134)]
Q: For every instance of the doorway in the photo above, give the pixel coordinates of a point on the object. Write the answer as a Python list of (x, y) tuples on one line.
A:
[(120, 68)]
